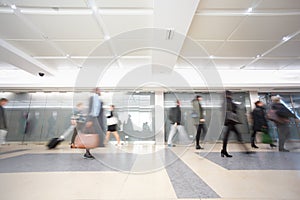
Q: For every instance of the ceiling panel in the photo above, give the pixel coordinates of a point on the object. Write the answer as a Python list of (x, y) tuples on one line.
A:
[(244, 49), (213, 27), (228, 4), (231, 63), (279, 4), (288, 49), (49, 3), (36, 48), (294, 65), (192, 50), (78, 48), (269, 64), (59, 64), (267, 28), (67, 26), (13, 27), (130, 23), (125, 4)]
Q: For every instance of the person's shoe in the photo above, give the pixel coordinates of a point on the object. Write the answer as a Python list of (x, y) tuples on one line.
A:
[(273, 145), (225, 153), (88, 156), (254, 146), (171, 145), (284, 150), (72, 146), (199, 147)]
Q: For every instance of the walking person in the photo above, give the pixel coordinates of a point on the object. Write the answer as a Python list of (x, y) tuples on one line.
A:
[(95, 119), (282, 122), (199, 121), (78, 119), (112, 125), (260, 122), (3, 122), (176, 125), (231, 120)]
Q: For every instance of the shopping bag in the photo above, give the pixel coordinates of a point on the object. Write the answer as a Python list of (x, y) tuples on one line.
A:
[(87, 140), (266, 138)]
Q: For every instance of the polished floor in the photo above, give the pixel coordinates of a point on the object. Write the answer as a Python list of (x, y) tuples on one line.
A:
[(147, 171)]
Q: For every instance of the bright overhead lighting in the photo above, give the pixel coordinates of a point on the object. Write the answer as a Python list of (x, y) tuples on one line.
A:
[(250, 10), (106, 37), (211, 56), (126, 11), (258, 55), (286, 38), (13, 6)]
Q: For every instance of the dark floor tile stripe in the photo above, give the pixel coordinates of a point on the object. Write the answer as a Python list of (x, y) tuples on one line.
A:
[(186, 183), (54, 162), (257, 161)]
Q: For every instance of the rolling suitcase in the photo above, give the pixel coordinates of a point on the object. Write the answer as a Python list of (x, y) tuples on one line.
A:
[(54, 142)]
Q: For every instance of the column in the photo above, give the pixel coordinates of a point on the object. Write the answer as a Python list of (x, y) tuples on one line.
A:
[(159, 118)]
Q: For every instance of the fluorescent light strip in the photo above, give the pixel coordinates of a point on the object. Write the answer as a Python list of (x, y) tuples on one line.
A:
[(40, 11)]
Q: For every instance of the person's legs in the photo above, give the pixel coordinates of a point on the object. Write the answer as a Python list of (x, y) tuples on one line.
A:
[(182, 135), (75, 132), (171, 134), (253, 136), (198, 136), (283, 131), (239, 138), (107, 137), (88, 154), (225, 141), (116, 135), (3, 134)]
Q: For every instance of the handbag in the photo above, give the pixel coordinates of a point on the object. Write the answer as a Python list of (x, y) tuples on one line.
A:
[(112, 121), (265, 137), (232, 117), (272, 115), (194, 114), (87, 140)]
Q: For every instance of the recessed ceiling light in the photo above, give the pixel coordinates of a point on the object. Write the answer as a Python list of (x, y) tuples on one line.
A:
[(250, 10), (211, 56), (13, 6), (106, 37), (258, 55), (286, 38)]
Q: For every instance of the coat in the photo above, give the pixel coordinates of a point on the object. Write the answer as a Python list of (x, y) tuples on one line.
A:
[(175, 115), (259, 118), (198, 110), (230, 106)]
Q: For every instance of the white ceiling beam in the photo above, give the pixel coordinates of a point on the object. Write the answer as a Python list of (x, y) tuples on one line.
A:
[(175, 16), (18, 58)]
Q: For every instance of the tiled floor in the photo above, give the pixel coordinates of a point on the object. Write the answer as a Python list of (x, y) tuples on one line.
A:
[(145, 171)]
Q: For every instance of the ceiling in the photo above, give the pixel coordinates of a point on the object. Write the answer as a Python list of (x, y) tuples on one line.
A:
[(54, 36)]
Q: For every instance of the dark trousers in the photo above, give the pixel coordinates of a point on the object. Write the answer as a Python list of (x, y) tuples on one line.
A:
[(283, 134), (200, 128), (231, 127), (74, 135), (253, 136)]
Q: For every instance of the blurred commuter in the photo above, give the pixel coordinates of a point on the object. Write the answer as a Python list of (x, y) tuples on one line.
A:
[(3, 122), (231, 119), (95, 119), (282, 115), (260, 122), (199, 121), (112, 125), (78, 119), (176, 125)]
